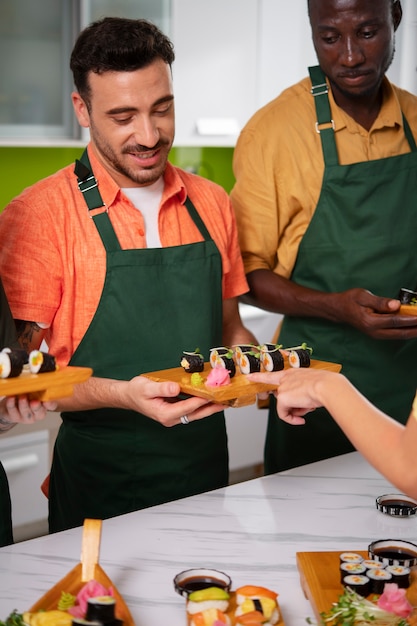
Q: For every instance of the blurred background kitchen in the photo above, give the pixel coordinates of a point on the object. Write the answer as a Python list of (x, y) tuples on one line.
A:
[(232, 56)]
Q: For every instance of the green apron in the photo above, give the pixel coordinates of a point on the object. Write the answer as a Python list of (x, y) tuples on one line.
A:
[(363, 234), (155, 304)]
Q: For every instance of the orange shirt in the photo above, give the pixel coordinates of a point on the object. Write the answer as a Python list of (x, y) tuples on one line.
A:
[(52, 259), (278, 165)]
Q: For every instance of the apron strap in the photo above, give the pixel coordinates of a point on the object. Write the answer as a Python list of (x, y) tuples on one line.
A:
[(88, 186), (324, 124), (195, 216), (409, 134)]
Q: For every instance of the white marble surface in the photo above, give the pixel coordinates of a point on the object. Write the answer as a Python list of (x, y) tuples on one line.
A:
[(250, 530)]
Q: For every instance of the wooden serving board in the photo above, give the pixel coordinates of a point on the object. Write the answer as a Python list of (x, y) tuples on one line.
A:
[(408, 309), (232, 607), (88, 569), (240, 391), (320, 578), (46, 386)]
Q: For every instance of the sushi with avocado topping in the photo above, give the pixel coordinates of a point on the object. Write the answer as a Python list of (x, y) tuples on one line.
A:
[(208, 598)]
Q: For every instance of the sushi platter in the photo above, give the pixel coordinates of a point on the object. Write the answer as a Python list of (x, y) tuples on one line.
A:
[(45, 386), (320, 578), (408, 309), (87, 570), (239, 392)]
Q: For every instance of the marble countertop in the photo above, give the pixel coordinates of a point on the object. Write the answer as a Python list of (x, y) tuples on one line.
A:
[(250, 530)]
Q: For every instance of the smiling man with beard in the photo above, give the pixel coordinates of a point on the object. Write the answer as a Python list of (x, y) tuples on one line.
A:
[(120, 263), (325, 197)]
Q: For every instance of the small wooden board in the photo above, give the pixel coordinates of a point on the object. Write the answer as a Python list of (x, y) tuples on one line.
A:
[(408, 309), (320, 578), (88, 569), (240, 391), (46, 386), (232, 608)]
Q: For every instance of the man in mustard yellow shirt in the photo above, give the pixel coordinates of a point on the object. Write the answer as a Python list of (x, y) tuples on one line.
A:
[(325, 197)]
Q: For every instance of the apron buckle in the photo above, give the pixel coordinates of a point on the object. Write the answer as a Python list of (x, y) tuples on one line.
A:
[(325, 125), (319, 90)]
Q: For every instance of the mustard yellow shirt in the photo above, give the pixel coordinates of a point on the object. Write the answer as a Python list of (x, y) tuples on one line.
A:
[(278, 166)]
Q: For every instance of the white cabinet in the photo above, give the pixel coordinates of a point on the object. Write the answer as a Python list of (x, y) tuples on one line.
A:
[(215, 71)]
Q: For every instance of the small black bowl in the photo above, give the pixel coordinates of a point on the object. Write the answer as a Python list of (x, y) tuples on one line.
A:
[(200, 578), (396, 505), (393, 552)]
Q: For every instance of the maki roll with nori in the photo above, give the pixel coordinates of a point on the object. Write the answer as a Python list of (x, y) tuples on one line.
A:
[(219, 358), (271, 357), (400, 575), (250, 362), (242, 349), (192, 361), (358, 583), (40, 362), (378, 578), (12, 362), (351, 568), (299, 356), (407, 296), (102, 609), (220, 351)]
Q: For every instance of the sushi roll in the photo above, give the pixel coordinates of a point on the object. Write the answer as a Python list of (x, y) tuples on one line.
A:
[(211, 617), (298, 357), (40, 362), (400, 575), (242, 349), (350, 557), (102, 610), (215, 352), (407, 296), (12, 362), (371, 564), (351, 568), (208, 598), (358, 583), (378, 578), (271, 358), (256, 602), (192, 362), (250, 362), (223, 360)]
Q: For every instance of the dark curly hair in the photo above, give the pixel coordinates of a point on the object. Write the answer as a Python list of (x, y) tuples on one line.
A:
[(115, 44)]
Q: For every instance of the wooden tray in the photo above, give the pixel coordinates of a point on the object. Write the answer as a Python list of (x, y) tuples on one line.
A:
[(88, 569), (232, 608), (240, 391), (46, 386), (408, 309), (320, 578)]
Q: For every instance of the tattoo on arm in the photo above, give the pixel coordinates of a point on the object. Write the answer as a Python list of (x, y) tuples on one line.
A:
[(26, 332)]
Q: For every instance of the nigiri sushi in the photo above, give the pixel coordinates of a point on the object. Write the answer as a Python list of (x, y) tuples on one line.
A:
[(208, 598), (252, 600)]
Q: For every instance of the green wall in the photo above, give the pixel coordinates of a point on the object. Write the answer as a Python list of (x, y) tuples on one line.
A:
[(23, 166)]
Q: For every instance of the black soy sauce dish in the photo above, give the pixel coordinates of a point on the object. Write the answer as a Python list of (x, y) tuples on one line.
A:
[(200, 578), (393, 552), (396, 505)]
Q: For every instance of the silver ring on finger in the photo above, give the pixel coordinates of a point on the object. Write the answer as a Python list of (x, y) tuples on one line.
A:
[(184, 419)]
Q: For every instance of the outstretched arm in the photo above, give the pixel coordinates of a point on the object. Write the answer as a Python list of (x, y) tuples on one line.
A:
[(369, 429)]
